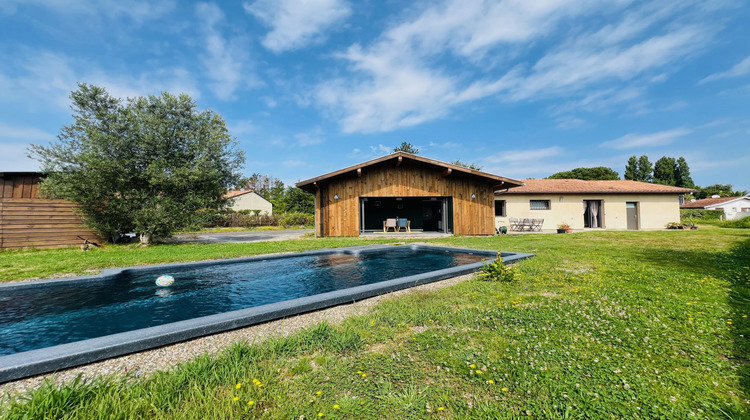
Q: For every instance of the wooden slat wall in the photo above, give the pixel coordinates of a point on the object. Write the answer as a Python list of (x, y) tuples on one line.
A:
[(26, 221), (340, 217)]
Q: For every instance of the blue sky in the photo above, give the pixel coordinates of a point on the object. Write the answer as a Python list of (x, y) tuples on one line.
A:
[(522, 88)]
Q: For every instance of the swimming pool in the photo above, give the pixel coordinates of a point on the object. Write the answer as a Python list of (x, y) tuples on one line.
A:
[(53, 324)]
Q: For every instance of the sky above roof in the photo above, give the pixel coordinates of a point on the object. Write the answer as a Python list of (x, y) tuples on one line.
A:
[(524, 89)]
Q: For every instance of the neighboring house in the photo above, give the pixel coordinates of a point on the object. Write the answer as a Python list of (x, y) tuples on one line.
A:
[(27, 221), (433, 195), (249, 200), (612, 205), (734, 207)]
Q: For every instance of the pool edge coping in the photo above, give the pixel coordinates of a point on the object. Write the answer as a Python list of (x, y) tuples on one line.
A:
[(50, 359)]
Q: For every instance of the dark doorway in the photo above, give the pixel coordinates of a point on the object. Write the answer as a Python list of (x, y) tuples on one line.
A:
[(425, 214), (593, 214)]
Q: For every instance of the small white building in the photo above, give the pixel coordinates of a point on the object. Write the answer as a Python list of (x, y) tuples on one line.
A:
[(249, 200), (733, 207), (611, 205)]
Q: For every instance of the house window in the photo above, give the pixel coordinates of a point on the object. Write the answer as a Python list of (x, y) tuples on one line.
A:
[(539, 204), (500, 208)]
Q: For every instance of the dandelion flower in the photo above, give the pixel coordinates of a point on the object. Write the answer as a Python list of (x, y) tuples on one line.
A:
[(336, 406), (478, 371), (490, 382), (364, 375), (504, 389), (318, 393), (251, 403), (320, 414), (472, 366), (238, 386), (236, 399), (441, 408)]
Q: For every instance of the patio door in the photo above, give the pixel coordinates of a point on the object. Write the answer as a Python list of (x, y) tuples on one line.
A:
[(593, 214), (631, 209)]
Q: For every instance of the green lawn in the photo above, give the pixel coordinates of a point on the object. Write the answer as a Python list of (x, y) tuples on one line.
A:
[(599, 325)]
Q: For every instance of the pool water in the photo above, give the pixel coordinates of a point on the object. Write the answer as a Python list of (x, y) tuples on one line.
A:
[(38, 318)]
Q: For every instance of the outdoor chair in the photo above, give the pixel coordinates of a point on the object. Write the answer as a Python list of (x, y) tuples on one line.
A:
[(536, 225), (403, 223), (389, 224), (526, 224), (514, 224)]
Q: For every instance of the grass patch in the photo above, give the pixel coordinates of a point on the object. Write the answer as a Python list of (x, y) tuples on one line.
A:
[(598, 325), (743, 223)]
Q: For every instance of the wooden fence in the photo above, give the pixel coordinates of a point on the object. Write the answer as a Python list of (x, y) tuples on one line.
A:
[(27, 221)]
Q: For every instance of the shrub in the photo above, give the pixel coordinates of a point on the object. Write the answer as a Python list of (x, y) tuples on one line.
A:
[(688, 215), (497, 271), (743, 223), (295, 219)]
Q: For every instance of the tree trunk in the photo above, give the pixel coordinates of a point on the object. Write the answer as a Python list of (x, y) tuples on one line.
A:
[(145, 239)]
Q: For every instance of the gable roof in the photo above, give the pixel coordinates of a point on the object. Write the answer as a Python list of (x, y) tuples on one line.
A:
[(497, 181), (578, 186), (237, 193), (708, 202)]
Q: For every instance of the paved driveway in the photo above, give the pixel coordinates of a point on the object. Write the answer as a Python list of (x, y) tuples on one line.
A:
[(242, 237)]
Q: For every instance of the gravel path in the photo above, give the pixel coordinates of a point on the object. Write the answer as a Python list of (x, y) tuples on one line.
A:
[(146, 362)]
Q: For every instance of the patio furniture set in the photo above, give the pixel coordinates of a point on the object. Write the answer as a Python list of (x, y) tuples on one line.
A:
[(526, 225), (397, 224)]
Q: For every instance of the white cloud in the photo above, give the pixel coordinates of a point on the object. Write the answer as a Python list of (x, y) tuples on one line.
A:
[(19, 133), (740, 69), (513, 157), (13, 157), (225, 58), (401, 79), (43, 78), (297, 23), (137, 10), (309, 139), (241, 127), (633, 140)]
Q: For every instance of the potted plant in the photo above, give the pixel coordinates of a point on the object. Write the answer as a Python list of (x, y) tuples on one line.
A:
[(564, 228)]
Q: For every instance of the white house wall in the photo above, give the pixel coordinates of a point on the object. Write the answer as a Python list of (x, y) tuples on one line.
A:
[(733, 210), (252, 201), (655, 210)]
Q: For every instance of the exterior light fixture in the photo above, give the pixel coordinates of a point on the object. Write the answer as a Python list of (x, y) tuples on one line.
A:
[(473, 196), (336, 197)]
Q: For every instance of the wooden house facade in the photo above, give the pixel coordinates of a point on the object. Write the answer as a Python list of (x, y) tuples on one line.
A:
[(433, 196), (28, 221)]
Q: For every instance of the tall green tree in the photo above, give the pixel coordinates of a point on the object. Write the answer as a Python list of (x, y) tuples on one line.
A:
[(297, 201), (664, 171), (631, 169), (639, 169), (682, 174), (722, 190), (406, 148), (146, 164), (588, 174), (645, 170), (267, 186)]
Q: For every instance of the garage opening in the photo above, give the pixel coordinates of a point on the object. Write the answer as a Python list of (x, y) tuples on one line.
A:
[(424, 214)]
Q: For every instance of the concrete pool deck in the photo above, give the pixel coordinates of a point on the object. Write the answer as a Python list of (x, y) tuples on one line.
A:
[(55, 358)]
